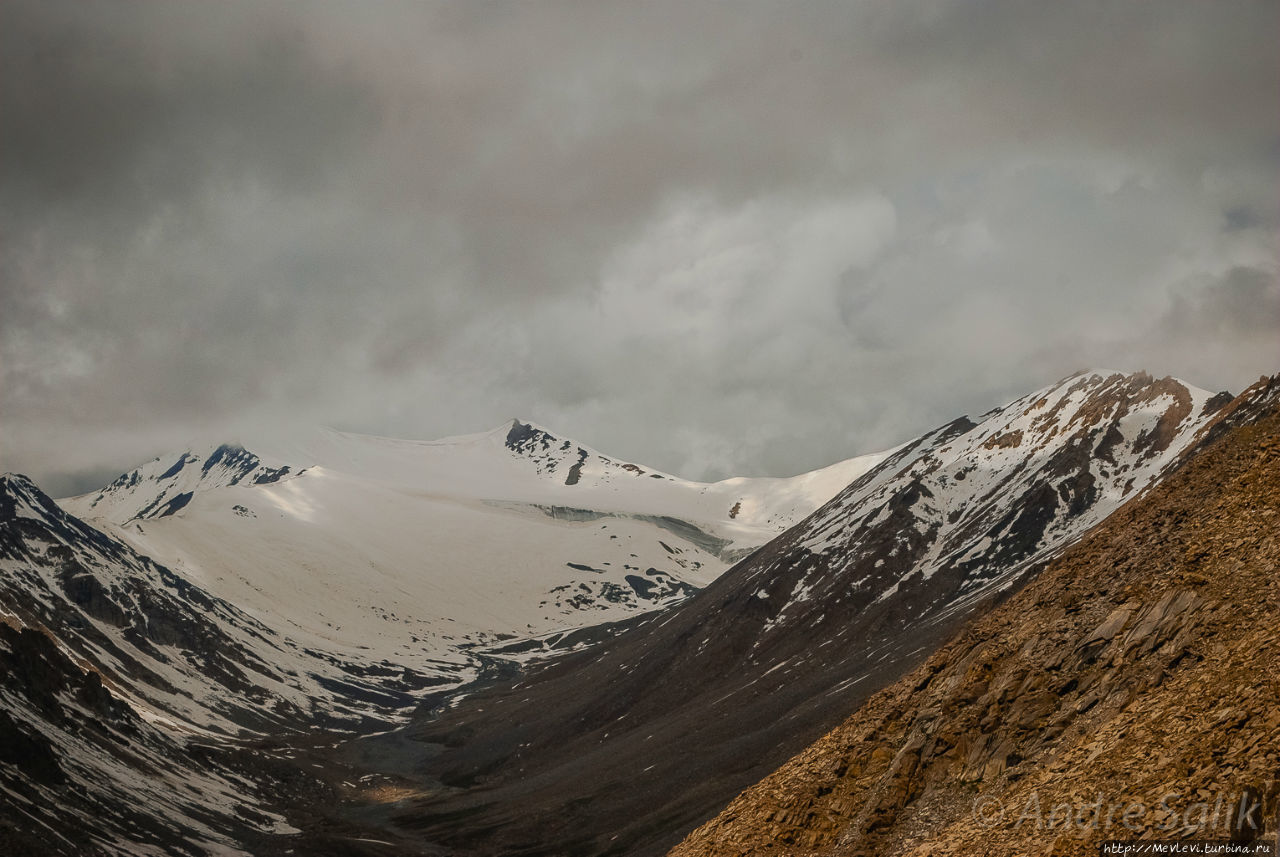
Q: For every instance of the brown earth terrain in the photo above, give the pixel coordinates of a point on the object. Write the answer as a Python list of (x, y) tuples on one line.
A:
[(1131, 691)]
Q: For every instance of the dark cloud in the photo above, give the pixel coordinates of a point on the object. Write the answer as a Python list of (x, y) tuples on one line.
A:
[(782, 233), (1241, 217), (111, 114), (1242, 307)]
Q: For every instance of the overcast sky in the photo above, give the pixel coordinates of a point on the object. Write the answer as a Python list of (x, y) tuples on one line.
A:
[(716, 238)]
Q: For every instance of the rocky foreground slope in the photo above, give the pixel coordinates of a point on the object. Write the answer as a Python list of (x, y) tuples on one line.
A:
[(1132, 690)]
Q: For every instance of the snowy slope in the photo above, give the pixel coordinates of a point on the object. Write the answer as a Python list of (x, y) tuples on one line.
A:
[(987, 499), (83, 773), (126, 693), (375, 550), (172, 650), (517, 463)]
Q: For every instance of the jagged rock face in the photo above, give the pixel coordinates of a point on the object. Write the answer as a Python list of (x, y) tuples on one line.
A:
[(1138, 669), (104, 602), (551, 455), (82, 773), (666, 722), (160, 488)]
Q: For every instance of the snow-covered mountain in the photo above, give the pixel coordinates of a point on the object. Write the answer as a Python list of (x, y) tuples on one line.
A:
[(173, 651), (976, 503), (519, 462), (728, 683), (374, 550), (216, 601), (219, 596), (155, 490)]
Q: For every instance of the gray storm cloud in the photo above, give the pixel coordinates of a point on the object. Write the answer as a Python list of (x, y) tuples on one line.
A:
[(747, 238)]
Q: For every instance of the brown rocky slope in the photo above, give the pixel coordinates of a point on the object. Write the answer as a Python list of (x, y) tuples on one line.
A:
[(1131, 691)]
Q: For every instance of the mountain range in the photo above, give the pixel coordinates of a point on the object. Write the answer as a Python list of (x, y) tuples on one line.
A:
[(510, 643)]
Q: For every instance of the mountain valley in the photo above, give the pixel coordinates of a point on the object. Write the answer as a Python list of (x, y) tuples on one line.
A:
[(509, 643)]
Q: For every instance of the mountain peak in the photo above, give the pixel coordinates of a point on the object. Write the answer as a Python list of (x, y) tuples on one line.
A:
[(1131, 381), (165, 485), (8, 481), (526, 437), (20, 497)]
